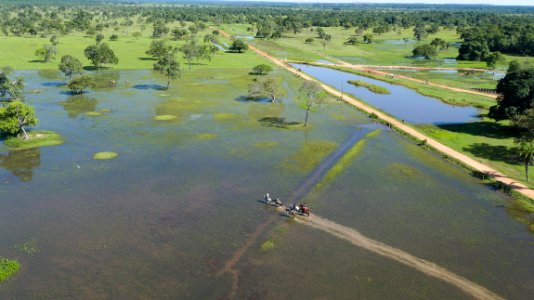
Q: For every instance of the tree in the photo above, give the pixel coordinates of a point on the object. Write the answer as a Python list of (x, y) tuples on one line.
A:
[(262, 69), (368, 38), (352, 41), (159, 29), (179, 33), (158, 48), (309, 40), (54, 40), (420, 32), (517, 92), (426, 51), (325, 41), (15, 116), (169, 67), (525, 150), (100, 54), (439, 44), (136, 35), (70, 65), (99, 38), (238, 46), (10, 89), (313, 97), (477, 51), (494, 58), (265, 87), (77, 85), (114, 37), (47, 52)]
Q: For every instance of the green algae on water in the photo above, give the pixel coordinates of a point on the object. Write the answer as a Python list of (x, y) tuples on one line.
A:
[(8, 268), (308, 156), (105, 155), (164, 118), (403, 171), (225, 117), (28, 247), (93, 114), (206, 136), (266, 144), (267, 245), (36, 138)]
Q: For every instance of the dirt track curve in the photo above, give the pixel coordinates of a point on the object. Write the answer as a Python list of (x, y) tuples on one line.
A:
[(464, 159), (426, 267)]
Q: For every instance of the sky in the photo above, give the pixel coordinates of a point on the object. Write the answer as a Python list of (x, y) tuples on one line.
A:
[(491, 2)]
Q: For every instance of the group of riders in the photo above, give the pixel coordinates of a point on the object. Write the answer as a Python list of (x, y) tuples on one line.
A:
[(293, 209)]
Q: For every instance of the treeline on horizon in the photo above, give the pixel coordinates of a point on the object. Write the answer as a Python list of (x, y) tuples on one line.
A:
[(484, 28)]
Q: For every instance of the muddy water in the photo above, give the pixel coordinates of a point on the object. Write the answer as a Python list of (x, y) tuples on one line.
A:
[(160, 220)]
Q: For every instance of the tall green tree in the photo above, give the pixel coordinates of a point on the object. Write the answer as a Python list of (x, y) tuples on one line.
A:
[(10, 89), (15, 116), (158, 48), (47, 52), (494, 58), (238, 46), (313, 97), (169, 67), (516, 90), (420, 32), (100, 54), (525, 150), (79, 84), (265, 87), (426, 51), (70, 65)]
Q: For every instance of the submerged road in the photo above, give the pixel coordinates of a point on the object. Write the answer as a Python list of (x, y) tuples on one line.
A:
[(458, 156)]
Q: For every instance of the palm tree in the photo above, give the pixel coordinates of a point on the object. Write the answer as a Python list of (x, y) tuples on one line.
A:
[(526, 152)]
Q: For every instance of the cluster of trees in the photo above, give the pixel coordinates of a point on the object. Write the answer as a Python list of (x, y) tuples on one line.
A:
[(516, 103), (480, 42), (15, 115)]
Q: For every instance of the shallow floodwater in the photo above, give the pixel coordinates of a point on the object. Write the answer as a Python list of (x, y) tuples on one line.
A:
[(161, 220), (402, 103)]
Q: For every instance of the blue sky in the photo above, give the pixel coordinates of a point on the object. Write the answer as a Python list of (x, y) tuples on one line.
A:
[(493, 2)]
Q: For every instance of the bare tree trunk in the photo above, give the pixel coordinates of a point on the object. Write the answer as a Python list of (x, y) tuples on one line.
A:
[(26, 134), (168, 82), (306, 119)]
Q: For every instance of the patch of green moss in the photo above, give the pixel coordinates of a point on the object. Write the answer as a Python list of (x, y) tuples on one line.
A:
[(105, 110), (342, 164), (36, 138), (206, 136), (308, 156), (105, 155), (267, 245), (225, 117), (164, 118), (93, 114), (8, 268), (403, 171)]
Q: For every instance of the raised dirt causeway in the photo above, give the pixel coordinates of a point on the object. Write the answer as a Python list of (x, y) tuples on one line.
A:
[(464, 159)]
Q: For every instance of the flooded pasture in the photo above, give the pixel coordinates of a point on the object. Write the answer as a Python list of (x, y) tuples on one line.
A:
[(163, 218)]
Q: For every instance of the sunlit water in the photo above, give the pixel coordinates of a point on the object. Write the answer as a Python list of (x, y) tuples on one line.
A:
[(161, 219), (402, 102)]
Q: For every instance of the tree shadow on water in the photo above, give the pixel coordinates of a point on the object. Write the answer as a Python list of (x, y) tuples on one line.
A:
[(484, 128), (157, 87), (277, 122), (21, 163), (495, 153)]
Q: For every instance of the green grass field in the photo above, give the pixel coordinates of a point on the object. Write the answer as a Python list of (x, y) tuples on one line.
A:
[(387, 49), (19, 52)]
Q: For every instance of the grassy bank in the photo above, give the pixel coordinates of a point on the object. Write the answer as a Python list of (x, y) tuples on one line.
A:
[(451, 97), (8, 268), (36, 138), (372, 87)]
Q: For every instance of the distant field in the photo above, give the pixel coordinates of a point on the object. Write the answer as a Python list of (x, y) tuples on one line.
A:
[(18, 52), (387, 49)]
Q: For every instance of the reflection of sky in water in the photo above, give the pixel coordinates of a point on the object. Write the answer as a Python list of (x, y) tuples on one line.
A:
[(402, 103)]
